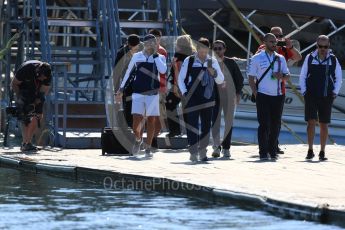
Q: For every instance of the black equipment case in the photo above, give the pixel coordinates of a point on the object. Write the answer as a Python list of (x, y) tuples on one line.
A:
[(117, 141)]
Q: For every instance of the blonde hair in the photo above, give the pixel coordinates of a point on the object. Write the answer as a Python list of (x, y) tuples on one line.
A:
[(184, 45)]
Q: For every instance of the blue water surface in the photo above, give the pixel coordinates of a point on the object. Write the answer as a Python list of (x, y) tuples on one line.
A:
[(29, 201)]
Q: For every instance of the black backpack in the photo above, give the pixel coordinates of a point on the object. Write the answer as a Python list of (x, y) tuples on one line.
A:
[(171, 100)]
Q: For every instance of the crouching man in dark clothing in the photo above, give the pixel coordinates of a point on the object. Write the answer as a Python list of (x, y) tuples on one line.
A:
[(31, 84)]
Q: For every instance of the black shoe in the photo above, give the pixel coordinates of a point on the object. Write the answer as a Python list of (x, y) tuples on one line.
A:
[(263, 157), (204, 159), (29, 148), (22, 147), (279, 150), (310, 155), (173, 134), (322, 156), (274, 157)]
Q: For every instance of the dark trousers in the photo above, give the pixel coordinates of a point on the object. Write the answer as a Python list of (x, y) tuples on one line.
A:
[(280, 126), (198, 139), (269, 113), (173, 121), (228, 107)]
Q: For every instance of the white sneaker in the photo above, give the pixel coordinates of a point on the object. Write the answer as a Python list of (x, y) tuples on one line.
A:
[(148, 152), (136, 146), (216, 151), (203, 155), (193, 157), (226, 153)]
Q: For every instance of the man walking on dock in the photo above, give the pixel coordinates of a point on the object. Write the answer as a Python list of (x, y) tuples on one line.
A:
[(320, 82), (196, 85), (267, 72), (145, 99), (228, 95)]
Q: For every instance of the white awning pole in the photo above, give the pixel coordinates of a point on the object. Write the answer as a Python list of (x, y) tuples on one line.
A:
[(224, 30), (330, 34)]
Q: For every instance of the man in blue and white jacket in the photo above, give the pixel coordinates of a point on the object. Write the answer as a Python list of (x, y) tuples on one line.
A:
[(196, 81), (145, 99), (320, 82)]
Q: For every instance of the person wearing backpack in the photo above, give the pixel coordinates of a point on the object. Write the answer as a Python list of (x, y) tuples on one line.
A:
[(196, 86), (266, 73), (123, 57), (184, 47), (320, 81)]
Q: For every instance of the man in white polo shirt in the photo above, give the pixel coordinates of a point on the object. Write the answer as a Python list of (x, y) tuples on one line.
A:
[(267, 72), (145, 98)]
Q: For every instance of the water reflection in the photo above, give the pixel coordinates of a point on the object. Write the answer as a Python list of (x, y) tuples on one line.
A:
[(43, 202)]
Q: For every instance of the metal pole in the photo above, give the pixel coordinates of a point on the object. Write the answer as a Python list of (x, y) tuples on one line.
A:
[(224, 30), (238, 13), (173, 9), (330, 34), (252, 24), (300, 28), (214, 33), (112, 32), (64, 123), (178, 15), (249, 46), (117, 22), (159, 10)]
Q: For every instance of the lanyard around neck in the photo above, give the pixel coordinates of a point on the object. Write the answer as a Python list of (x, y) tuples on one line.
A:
[(269, 60)]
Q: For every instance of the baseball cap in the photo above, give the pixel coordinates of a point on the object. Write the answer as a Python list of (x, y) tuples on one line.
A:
[(149, 37)]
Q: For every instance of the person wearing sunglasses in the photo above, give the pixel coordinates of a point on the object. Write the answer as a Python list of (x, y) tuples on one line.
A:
[(285, 46), (266, 72), (320, 81), (147, 65), (197, 89), (291, 54), (228, 95)]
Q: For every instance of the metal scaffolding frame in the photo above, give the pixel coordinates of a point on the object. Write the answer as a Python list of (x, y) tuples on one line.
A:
[(80, 40), (298, 28), (151, 15)]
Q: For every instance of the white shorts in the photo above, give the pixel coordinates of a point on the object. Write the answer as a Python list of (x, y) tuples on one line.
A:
[(146, 105)]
